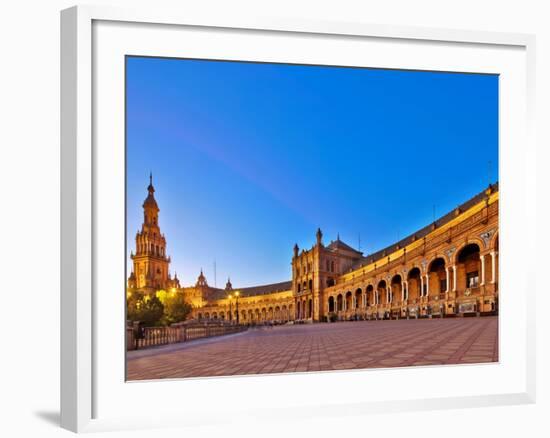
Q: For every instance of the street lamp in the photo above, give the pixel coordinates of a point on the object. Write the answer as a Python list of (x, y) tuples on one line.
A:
[(230, 308), (237, 293)]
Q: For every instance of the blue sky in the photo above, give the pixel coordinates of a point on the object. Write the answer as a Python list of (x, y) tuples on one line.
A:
[(249, 158)]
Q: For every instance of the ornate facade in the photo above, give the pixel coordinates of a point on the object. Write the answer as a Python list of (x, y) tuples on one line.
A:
[(448, 268)]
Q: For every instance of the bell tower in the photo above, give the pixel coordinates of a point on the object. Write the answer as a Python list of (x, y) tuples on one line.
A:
[(150, 262)]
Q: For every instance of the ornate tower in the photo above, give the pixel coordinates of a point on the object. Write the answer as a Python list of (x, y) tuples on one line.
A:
[(150, 260)]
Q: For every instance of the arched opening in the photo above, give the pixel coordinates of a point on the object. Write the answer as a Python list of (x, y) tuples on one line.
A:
[(468, 267), (381, 292), (310, 308), (359, 299), (437, 277), (349, 304), (330, 282), (370, 295), (298, 310), (331, 304), (397, 289), (414, 284), (310, 284), (339, 303)]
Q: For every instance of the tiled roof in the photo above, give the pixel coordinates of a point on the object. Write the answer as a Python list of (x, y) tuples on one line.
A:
[(218, 294), (338, 244)]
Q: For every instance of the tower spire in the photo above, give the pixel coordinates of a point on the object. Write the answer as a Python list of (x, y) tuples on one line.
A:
[(151, 189)]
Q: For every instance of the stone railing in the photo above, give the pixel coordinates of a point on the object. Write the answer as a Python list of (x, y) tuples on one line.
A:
[(138, 338)]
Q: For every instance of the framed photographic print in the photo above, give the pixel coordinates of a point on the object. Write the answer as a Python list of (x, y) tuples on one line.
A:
[(322, 212)]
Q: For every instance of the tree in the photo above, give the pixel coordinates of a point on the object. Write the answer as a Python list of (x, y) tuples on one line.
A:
[(145, 308), (176, 309)]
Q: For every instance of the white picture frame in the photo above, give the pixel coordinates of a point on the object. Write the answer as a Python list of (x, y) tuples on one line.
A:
[(84, 177)]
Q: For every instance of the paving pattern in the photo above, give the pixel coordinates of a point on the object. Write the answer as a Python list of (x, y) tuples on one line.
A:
[(320, 347)]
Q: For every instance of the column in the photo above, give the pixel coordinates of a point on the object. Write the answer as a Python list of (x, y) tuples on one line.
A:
[(421, 285), (406, 289), (364, 299), (447, 280), (493, 267), (482, 259), (454, 278), (427, 284), (402, 291)]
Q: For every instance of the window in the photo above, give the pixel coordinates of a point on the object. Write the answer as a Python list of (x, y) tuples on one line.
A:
[(332, 266), (472, 279)]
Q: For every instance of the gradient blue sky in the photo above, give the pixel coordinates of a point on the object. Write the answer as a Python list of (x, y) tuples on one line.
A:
[(248, 158)]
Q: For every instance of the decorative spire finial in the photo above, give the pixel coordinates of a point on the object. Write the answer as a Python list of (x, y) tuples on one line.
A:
[(151, 189)]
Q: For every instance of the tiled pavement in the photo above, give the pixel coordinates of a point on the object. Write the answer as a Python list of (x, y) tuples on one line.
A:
[(315, 347)]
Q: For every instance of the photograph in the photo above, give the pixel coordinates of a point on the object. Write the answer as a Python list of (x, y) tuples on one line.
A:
[(291, 218)]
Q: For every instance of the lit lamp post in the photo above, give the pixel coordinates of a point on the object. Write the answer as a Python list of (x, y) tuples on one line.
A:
[(230, 308), (237, 301), (236, 296)]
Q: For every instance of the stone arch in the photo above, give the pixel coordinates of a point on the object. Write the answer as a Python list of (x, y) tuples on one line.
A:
[(381, 289), (359, 298), (348, 300), (414, 283), (339, 303), (370, 292), (493, 244), (331, 304), (437, 276), (470, 241), (468, 265), (397, 288)]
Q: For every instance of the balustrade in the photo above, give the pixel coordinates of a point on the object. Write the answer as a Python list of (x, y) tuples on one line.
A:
[(152, 336)]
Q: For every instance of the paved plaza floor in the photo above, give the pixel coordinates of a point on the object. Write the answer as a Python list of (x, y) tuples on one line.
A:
[(320, 347)]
